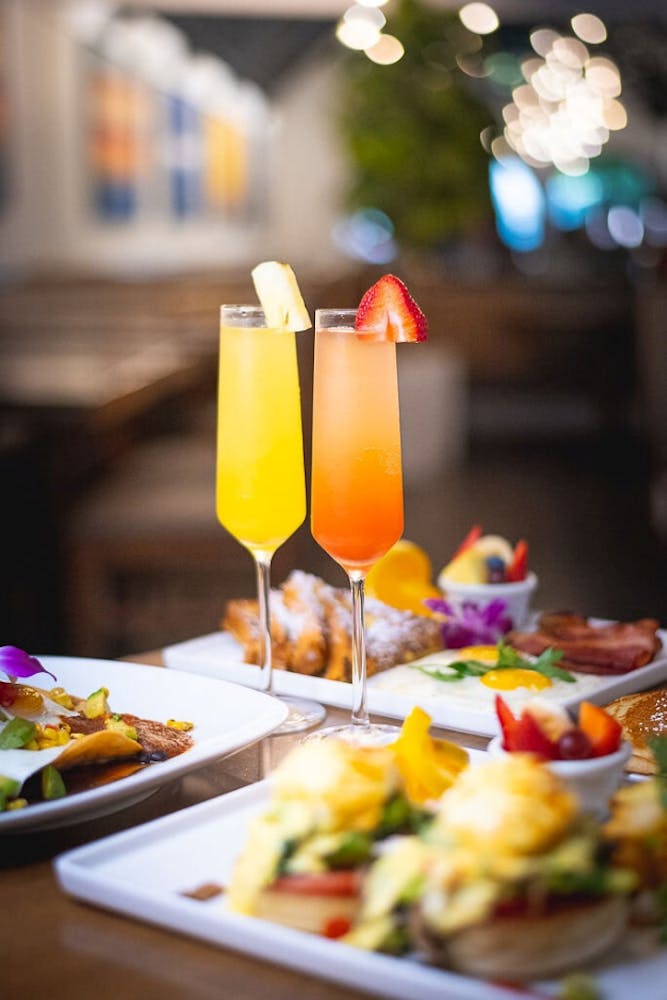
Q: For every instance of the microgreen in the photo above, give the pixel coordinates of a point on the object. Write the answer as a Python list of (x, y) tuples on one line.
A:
[(508, 659)]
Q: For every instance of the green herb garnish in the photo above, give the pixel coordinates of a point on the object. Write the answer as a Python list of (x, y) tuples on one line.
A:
[(508, 659), (17, 733), (354, 850)]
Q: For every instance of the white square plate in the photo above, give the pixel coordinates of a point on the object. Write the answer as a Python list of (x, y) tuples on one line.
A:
[(144, 872)]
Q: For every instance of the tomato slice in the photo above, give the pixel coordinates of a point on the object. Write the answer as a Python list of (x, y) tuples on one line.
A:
[(336, 927), (345, 882)]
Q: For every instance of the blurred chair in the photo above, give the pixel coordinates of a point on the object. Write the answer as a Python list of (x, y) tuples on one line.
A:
[(148, 562)]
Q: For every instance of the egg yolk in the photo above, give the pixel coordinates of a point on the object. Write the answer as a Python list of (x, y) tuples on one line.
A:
[(508, 680), (483, 654)]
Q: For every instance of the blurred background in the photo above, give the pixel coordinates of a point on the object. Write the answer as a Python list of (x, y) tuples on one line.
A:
[(509, 162)]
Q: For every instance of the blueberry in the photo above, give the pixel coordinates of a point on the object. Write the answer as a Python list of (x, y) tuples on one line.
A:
[(495, 568)]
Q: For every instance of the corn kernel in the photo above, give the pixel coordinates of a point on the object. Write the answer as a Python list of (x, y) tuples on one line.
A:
[(184, 727), (61, 697)]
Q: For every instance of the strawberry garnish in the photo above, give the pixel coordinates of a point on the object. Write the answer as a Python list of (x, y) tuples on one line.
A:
[(388, 312), (518, 568)]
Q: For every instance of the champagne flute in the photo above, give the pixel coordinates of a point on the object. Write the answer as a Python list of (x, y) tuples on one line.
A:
[(260, 481), (357, 484)]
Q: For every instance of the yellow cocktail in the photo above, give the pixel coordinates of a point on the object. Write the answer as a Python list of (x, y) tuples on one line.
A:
[(260, 483), (260, 489)]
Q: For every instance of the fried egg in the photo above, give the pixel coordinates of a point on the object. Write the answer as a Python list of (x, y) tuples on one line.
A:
[(517, 685)]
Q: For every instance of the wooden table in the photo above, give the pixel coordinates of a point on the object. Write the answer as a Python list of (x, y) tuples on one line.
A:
[(53, 946)]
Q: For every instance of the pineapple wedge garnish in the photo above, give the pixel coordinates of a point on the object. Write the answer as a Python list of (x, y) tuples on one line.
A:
[(278, 292)]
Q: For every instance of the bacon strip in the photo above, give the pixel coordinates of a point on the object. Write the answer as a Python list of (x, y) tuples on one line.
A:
[(592, 649)]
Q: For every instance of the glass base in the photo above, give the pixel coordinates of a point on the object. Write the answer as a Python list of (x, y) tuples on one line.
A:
[(303, 714), (374, 734)]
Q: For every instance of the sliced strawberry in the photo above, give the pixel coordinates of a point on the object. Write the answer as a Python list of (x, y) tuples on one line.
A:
[(530, 738), (508, 723), (388, 312), (603, 731), (518, 567), (469, 540)]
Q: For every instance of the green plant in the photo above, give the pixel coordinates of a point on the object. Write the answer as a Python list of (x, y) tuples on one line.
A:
[(412, 131)]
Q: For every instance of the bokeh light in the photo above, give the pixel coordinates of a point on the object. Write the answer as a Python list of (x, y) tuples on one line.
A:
[(589, 28), (386, 51), (625, 226), (518, 202), (366, 235), (566, 105), (360, 27), (570, 199), (479, 17)]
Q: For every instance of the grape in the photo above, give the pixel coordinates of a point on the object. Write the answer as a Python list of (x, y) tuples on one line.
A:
[(573, 744)]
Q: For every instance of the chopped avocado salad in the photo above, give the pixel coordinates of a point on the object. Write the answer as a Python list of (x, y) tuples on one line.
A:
[(54, 743)]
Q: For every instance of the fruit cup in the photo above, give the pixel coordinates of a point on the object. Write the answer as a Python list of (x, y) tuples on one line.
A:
[(593, 780), (518, 596), (589, 755), (486, 569)]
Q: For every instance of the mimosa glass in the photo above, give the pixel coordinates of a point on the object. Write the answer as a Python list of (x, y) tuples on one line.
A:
[(260, 482), (357, 482)]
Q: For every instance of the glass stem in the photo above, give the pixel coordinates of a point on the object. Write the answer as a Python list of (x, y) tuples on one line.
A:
[(359, 708), (263, 567)]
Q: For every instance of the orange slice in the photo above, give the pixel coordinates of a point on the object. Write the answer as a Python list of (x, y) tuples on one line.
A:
[(428, 766), (402, 578)]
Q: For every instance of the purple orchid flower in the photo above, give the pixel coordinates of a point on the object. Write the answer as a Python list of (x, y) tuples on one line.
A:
[(16, 663), (469, 624)]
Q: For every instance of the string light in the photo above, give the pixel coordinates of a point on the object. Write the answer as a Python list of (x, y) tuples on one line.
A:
[(479, 17), (386, 51), (565, 110), (360, 27), (589, 28)]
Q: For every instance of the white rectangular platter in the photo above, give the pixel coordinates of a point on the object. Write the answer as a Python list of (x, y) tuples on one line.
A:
[(452, 706), (143, 873)]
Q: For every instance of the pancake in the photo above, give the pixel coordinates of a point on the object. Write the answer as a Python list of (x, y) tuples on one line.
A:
[(641, 715)]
